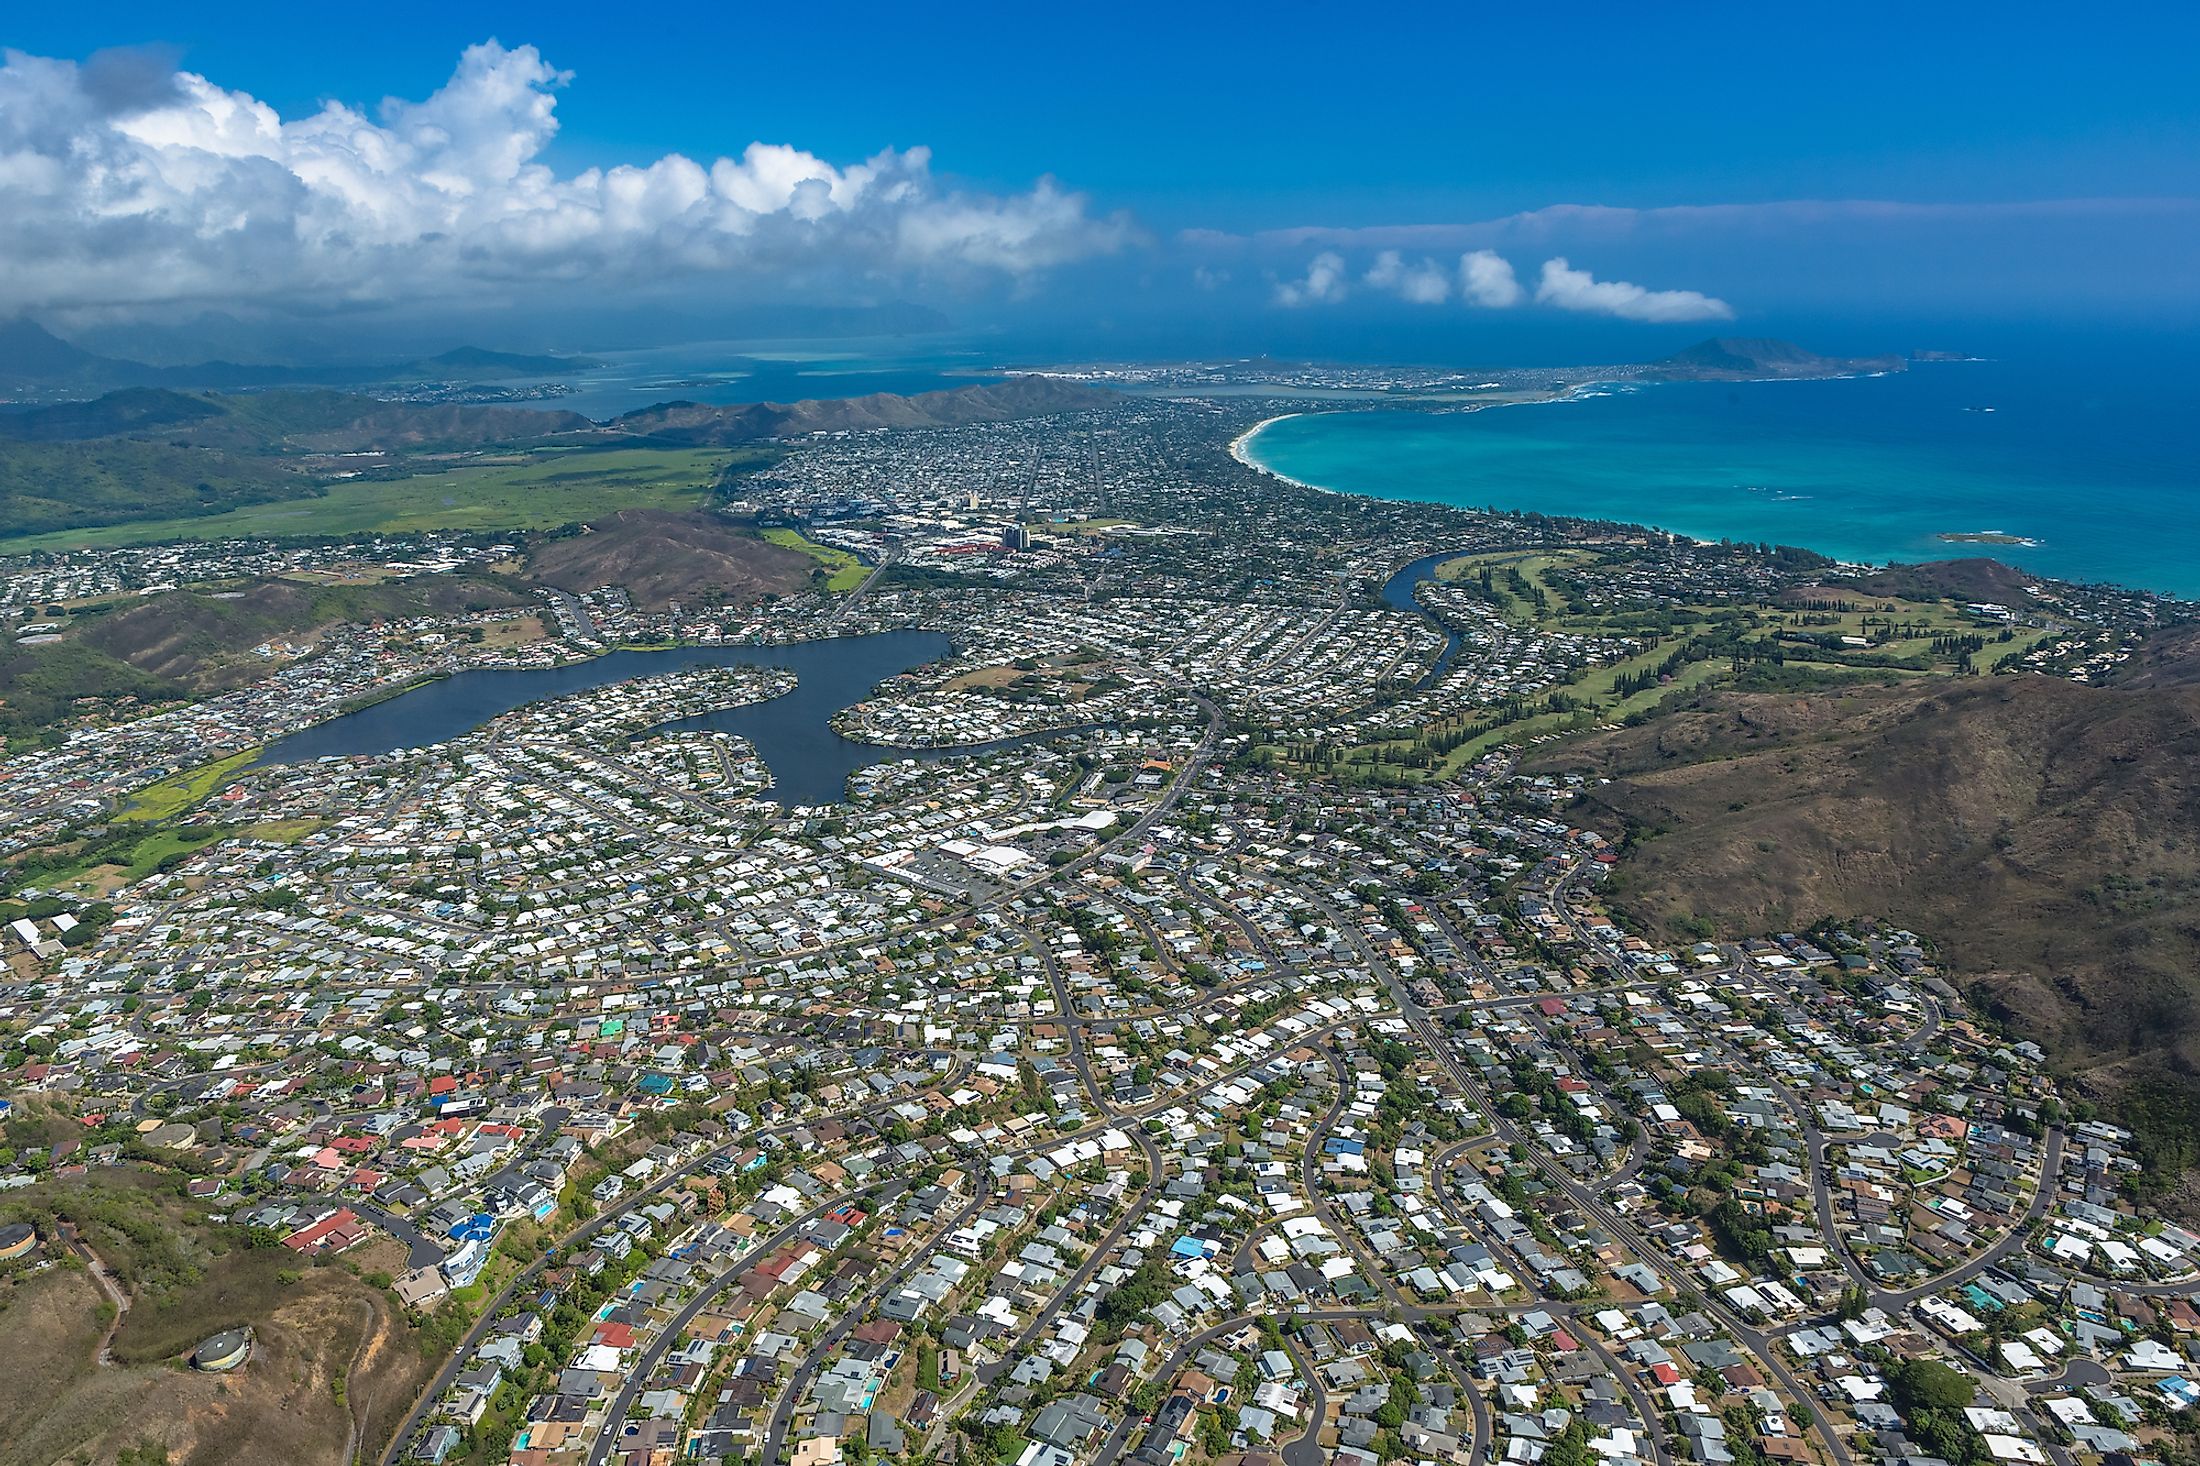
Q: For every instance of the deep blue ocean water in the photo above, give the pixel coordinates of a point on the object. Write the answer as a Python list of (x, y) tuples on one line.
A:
[(2095, 456)]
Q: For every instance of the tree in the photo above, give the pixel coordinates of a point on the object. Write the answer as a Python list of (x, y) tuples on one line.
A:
[(1571, 1448), (1928, 1384), (1139, 1292)]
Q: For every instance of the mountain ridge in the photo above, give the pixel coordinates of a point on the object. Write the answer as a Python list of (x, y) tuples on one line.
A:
[(34, 359), (155, 453), (1756, 358), (2038, 830)]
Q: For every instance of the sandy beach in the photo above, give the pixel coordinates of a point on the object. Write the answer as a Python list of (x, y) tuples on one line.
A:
[(1238, 451), (1239, 445)]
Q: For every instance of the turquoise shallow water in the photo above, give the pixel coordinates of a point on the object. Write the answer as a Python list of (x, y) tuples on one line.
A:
[(2097, 465)]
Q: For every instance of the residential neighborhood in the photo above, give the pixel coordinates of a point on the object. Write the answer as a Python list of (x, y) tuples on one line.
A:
[(1141, 1050)]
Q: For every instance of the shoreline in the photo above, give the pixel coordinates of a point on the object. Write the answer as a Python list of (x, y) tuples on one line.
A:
[(1241, 445), (2013, 548), (1241, 450)]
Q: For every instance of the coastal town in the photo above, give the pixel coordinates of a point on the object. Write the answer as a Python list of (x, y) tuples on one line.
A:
[(1179, 1013)]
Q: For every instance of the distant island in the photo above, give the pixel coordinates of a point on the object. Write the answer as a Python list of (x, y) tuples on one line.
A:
[(1754, 358), (1985, 537)]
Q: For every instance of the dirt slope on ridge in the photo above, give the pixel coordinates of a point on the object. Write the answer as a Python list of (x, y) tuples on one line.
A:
[(660, 556), (189, 635), (187, 1277), (2047, 835)]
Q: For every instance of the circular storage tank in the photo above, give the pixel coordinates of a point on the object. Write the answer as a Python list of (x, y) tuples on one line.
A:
[(223, 1352)]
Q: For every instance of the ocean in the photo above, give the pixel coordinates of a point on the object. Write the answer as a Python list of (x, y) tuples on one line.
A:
[(2094, 460), (724, 372)]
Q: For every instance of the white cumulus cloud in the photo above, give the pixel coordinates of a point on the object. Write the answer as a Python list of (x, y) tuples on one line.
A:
[(1322, 284), (1486, 279), (1421, 283), (127, 182), (1578, 290)]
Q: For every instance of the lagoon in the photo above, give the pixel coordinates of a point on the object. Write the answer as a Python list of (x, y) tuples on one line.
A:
[(793, 733)]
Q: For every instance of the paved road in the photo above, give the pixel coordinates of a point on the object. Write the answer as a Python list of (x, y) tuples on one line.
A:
[(1592, 1205), (645, 1363), (2012, 1240), (855, 597), (424, 1404), (790, 1400), (424, 1250), (798, 1385), (1307, 1449)]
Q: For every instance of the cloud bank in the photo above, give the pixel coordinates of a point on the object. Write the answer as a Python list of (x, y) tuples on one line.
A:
[(1424, 283), (1486, 279), (1803, 259), (127, 182), (1322, 284), (1578, 290), (1608, 225), (131, 188)]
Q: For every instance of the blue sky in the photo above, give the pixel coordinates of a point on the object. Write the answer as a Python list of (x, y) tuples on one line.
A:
[(1299, 114), (1208, 161)]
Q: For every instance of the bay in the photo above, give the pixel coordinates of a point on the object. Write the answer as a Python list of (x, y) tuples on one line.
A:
[(2092, 463)]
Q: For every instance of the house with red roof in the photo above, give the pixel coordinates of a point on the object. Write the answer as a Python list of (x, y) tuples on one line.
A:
[(335, 1232)]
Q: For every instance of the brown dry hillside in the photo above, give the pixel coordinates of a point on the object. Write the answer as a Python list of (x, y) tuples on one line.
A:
[(2168, 658), (2047, 835), (661, 556), (63, 1397), (191, 635), (1973, 578), (1930, 580)]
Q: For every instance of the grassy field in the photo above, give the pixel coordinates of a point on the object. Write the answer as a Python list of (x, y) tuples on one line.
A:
[(1533, 567), (178, 792), (542, 491), (143, 839), (847, 572), (132, 863), (282, 832), (1869, 617), (1896, 640), (1690, 678), (104, 877), (518, 631)]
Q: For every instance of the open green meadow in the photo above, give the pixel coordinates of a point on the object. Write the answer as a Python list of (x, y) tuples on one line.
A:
[(179, 792), (846, 571), (539, 490)]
